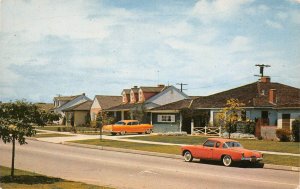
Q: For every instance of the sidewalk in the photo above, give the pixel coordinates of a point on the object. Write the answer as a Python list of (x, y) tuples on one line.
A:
[(60, 140)]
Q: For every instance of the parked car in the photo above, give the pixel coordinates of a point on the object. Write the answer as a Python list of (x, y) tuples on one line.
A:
[(128, 126), (225, 150)]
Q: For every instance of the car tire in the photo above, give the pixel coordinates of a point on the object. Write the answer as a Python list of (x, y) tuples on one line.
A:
[(122, 133), (227, 160), (188, 157), (113, 134), (148, 131)]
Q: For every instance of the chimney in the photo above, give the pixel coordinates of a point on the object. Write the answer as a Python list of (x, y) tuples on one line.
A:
[(272, 96), (265, 79), (135, 87), (160, 85), (83, 94)]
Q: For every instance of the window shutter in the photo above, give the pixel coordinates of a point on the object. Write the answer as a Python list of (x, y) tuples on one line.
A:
[(172, 118), (159, 118)]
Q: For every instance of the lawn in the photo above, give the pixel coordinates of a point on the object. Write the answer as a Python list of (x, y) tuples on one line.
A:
[(51, 135), (27, 180), (270, 159), (132, 145), (288, 147), (80, 130)]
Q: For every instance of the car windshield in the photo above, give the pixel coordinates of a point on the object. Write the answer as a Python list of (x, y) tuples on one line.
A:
[(120, 123), (232, 145)]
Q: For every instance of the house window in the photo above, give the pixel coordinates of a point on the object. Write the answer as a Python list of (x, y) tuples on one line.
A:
[(166, 118)]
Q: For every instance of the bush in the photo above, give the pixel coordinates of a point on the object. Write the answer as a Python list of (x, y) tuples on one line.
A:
[(283, 135), (296, 130), (58, 129)]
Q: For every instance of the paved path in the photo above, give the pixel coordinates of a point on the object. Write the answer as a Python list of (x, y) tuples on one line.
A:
[(125, 139), (133, 171)]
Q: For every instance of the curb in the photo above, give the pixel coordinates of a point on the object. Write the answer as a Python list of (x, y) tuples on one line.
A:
[(172, 156)]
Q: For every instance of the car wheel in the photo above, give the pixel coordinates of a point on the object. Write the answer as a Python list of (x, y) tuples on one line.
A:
[(148, 131), (188, 157), (227, 161), (113, 134), (122, 133)]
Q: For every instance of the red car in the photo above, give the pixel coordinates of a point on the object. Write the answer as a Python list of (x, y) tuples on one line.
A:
[(225, 150)]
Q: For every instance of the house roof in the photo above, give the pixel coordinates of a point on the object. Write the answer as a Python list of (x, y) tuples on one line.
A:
[(127, 91), (85, 106), (178, 105), (252, 95), (45, 106), (66, 98), (152, 89), (121, 107), (107, 102)]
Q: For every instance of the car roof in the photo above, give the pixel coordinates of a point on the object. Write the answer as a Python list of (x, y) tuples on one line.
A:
[(128, 120), (222, 140)]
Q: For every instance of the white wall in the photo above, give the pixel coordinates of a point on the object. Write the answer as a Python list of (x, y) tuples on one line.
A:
[(294, 114)]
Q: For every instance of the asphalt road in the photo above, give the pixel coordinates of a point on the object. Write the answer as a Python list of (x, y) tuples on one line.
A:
[(124, 170)]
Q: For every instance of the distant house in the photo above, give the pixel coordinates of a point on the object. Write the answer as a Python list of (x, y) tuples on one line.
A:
[(78, 115), (146, 98), (104, 102), (64, 102), (268, 103)]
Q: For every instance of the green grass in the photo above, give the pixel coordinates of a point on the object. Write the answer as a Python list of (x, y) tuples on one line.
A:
[(51, 135), (287, 147), (132, 145), (28, 180), (268, 158), (282, 160)]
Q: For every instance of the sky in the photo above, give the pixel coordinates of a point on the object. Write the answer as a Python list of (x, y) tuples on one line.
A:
[(71, 47)]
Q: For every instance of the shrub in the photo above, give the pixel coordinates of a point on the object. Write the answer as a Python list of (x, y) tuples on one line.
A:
[(296, 129), (283, 135), (58, 129)]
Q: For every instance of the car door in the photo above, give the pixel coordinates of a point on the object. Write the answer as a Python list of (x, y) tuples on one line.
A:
[(217, 151), (207, 151)]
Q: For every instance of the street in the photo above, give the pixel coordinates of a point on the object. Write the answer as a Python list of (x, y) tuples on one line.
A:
[(124, 170)]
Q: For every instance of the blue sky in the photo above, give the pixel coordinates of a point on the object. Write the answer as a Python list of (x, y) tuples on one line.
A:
[(100, 47)]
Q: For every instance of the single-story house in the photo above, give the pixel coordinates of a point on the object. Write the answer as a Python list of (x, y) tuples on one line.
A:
[(104, 102), (64, 102), (266, 102), (78, 115)]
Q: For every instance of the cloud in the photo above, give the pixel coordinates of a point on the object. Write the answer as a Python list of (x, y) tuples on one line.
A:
[(240, 44), (273, 24), (218, 10)]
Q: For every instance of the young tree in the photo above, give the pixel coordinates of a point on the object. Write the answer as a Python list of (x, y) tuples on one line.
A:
[(138, 113), (230, 114), (103, 119), (16, 120)]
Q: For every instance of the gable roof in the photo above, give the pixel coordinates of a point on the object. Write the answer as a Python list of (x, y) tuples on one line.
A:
[(65, 98), (85, 106), (252, 95), (127, 91), (178, 105), (166, 89), (152, 89), (121, 107), (107, 102)]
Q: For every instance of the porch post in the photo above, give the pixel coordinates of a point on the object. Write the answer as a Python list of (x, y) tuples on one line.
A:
[(151, 118), (205, 129), (180, 123), (122, 115), (192, 126), (220, 132)]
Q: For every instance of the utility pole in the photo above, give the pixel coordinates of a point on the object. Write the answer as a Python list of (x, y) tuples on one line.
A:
[(181, 85), (261, 69)]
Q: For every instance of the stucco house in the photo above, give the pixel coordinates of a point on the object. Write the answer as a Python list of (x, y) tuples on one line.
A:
[(64, 102), (78, 115), (102, 103), (266, 102)]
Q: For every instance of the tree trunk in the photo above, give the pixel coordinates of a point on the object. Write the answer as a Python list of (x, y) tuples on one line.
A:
[(100, 132), (13, 159)]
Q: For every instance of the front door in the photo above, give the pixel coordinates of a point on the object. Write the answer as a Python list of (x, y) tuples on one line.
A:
[(286, 120), (265, 117)]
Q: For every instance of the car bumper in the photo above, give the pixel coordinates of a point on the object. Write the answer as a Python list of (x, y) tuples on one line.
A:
[(251, 159)]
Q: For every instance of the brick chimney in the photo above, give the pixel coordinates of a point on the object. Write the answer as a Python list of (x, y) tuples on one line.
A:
[(265, 79), (272, 96), (160, 85)]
